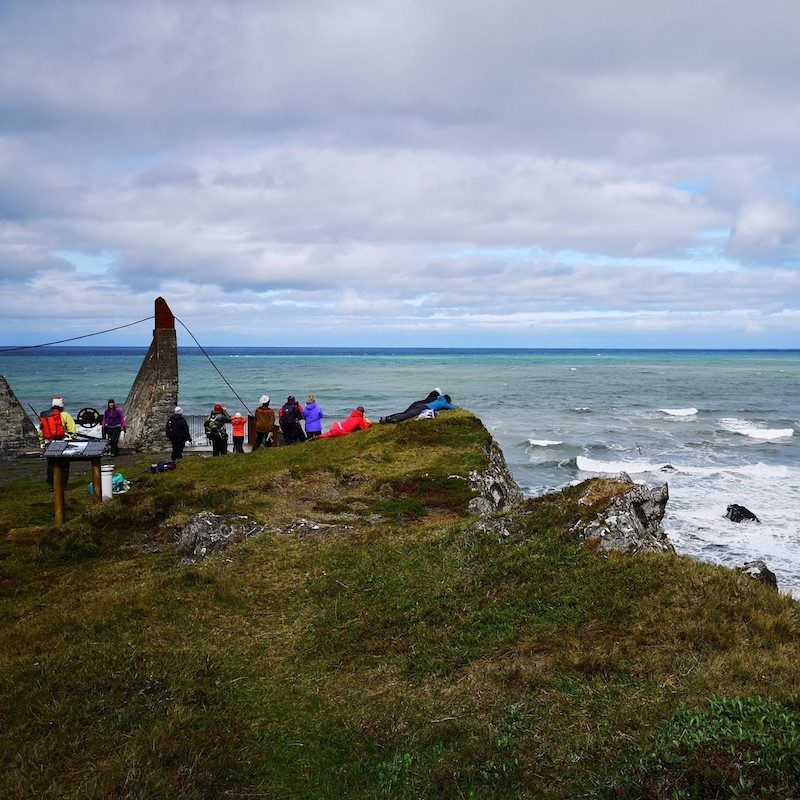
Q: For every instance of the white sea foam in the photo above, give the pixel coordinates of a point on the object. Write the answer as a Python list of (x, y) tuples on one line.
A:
[(753, 431), (612, 467), (543, 442), (758, 471), (678, 412), (582, 409)]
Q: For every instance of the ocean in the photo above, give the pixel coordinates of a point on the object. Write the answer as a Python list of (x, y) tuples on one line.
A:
[(720, 427)]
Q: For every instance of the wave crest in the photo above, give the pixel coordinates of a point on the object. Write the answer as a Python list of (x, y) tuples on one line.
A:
[(752, 430), (679, 412)]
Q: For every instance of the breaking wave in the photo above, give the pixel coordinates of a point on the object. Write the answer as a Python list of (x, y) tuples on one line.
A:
[(753, 431), (678, 412)]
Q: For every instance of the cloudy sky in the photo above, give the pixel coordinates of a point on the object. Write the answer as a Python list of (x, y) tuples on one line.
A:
[(508, 173)]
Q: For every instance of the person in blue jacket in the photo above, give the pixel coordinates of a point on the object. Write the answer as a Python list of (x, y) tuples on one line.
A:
[(418, 406), (442, 403)]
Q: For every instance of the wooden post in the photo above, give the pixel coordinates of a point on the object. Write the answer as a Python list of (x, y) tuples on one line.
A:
[(97, 486), (58, 490)]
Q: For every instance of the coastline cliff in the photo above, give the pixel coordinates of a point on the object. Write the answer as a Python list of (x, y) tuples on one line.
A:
[(382, 615)]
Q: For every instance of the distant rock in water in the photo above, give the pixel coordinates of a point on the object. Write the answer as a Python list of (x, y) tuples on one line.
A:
[(631, 524), (737, 513), (206, 533), (759, 571)]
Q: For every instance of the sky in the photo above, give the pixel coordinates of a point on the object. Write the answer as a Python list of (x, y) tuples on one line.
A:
[(512, 173)]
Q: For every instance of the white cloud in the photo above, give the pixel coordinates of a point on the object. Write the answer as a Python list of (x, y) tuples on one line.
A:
[(394, 165)]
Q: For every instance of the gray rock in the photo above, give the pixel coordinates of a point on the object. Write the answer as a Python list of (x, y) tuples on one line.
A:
[(632, 523), (207, 533), (495, 486), (759, 571), (307, 527), (500, 526)]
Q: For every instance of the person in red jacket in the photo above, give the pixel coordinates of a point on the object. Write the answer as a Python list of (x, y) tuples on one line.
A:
[(355, 422)]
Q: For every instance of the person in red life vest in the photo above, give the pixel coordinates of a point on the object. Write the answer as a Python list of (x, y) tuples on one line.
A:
[(238, 425), (56, 424), (113, 425), (355, 422)]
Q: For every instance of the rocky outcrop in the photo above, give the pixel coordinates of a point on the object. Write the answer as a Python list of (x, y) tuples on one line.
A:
[(16, 429), (495, 486), (759, 571), (737, 513), (208, 533), (631, 524)]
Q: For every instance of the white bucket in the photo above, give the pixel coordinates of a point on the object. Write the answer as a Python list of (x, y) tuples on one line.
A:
[(106, 473)]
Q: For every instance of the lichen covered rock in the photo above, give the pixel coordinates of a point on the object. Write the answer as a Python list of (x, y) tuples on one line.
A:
[(759, 571), (495, 486), (207, 533), (631, 523)]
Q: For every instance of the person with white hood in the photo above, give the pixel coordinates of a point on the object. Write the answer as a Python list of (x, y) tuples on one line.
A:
[(414, 410), (264, 424), (178, 433)]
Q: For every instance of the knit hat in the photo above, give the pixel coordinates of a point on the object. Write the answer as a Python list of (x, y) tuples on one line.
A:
[(217, 407), (264, 399), (237, 415), (437, 390), (178, 410), (58, 401)]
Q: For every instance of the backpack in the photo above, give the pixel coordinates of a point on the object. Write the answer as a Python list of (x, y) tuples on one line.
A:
[(288, 414), (210, 427), (52, 425)]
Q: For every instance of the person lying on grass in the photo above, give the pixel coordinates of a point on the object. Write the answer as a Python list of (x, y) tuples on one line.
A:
[(355, 422)]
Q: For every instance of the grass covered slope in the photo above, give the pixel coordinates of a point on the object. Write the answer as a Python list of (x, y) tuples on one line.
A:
[(403, 654)]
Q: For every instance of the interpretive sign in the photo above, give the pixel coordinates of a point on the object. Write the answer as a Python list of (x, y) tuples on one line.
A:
[(64, 451), (75, 448)]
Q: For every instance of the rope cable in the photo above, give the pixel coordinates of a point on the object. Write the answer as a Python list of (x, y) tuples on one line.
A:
[(74, 338), (203, 350)]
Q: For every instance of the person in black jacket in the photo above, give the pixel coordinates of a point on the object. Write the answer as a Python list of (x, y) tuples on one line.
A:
[(178, 433), (414, 410)]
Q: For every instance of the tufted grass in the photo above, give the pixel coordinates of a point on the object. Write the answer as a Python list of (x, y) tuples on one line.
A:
[(405, 654)]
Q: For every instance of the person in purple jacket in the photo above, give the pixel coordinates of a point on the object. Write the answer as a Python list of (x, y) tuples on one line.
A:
[(113, 425), (313, 415)]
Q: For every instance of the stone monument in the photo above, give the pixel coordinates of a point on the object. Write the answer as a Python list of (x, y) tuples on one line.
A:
[(16, 429), (154, 393)]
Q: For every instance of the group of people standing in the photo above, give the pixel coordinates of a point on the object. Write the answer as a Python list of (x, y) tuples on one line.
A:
[(271, 429), (293, 423)]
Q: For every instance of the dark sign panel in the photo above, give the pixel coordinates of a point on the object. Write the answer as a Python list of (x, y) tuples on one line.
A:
[(75, 448)]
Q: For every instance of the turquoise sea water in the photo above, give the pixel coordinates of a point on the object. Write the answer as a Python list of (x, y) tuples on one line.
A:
[(727, 423)]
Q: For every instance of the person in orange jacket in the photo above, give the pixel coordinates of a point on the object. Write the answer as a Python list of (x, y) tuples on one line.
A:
[(238, 425), (355, 422)]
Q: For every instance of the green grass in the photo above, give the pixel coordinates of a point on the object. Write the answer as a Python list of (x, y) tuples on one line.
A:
[(407, 655)]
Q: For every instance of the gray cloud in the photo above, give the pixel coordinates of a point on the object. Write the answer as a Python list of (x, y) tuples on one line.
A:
[(409, 163)]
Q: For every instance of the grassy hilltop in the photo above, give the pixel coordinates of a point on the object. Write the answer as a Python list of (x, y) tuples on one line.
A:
[(405, 653)]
